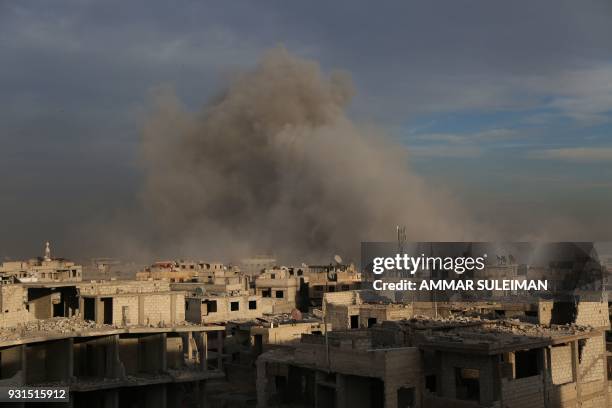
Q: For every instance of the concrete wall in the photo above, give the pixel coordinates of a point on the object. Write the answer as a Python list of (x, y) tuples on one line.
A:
[(339, 315), (13, 310), (286, 333), (197, 311), (122, 287), (594, 314), (523, 392)]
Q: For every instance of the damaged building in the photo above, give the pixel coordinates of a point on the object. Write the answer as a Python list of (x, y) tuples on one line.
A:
[(361, 309), (456, 361), (110, 367), (112, 343)]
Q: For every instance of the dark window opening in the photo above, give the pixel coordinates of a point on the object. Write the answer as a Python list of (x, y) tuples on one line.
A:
[(405, 397), (500, 313), (273, 276), (467, 383), (266, 293), (234, 306), (431, 382), (252, 304), (355, 322), (345, 287), (279, 294), (371, 321), (89, 304), (563, 313), (526, 363), (108, 310), (211, 306), (331, 289)]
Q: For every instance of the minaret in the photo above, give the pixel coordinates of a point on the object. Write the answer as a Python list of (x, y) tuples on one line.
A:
[(47, 252)]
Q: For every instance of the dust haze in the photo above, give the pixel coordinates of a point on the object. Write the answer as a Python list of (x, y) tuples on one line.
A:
[(273, 164)]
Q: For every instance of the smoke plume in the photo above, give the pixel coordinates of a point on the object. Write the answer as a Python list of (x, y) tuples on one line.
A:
[(274, 165)]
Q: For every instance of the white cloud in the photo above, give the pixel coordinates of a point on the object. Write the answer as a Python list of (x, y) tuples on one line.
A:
[(575, 154), (446, 151), (489, 135)]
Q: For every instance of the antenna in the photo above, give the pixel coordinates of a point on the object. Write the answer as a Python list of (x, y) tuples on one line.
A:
[(401, 239)]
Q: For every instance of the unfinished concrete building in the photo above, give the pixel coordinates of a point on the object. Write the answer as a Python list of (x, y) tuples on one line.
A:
[(220, 308), (461, 362), (268, 332), (110, 367), (361, 309), (113, 344), (129, 303)]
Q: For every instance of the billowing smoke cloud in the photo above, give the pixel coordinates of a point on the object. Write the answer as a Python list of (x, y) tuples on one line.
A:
[(274, 165)]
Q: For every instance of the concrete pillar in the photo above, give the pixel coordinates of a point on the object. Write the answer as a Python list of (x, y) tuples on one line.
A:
[(114, 367), (576, 369), (59, 360), (220, 349), (205, 349), (201, 339), (152, 353), (99, 310), (172, 309), (24, 369), (262, 384), (487, 382), (141, 311), (341, 390), (81, 307), (163, 354)]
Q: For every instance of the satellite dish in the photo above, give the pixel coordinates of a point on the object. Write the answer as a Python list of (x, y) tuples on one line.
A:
[(338, 259)]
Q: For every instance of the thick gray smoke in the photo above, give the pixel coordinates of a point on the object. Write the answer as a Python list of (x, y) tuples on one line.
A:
[(273, 165)]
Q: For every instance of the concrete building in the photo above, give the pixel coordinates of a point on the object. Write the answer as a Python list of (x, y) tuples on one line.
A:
[(322, 279), (361, 309), (221, 308), (42, 269), (113, 344), (181, 271), (464, 362), (109, 367), (128, 303), (282, 285)]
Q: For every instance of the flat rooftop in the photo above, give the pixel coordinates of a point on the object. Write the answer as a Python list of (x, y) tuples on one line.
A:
[(482, 336), (63, 327)]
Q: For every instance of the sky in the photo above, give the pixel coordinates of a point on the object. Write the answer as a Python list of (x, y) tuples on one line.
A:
[(508, 105)]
